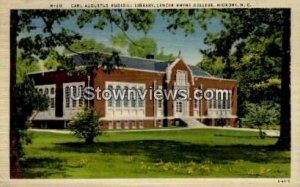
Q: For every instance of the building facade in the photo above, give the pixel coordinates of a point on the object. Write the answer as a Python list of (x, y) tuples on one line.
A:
[(135, 113)]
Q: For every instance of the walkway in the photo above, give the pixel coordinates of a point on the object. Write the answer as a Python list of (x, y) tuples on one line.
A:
[(270, 133)]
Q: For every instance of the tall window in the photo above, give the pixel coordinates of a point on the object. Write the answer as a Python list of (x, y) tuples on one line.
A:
[(229, 101), (67, 96), (140, 99), (118, 99), (46, 91), (74, 92), (196, 104), (181, 77), (133, 97), (81, 92), (49, 91), (214, 103), (110, 101), (126, 99), (159, 103)]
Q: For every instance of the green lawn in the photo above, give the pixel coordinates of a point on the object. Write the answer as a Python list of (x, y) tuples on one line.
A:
[(186, 153)]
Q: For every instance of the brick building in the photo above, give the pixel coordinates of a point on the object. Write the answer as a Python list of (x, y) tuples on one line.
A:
[(138, 74)]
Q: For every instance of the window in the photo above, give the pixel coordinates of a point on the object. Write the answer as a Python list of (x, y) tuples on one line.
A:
[(140, 99), (178, 106), (49, 91), (81, 92), (126, 125), (214, 103), (141, 124), (67, 96), (52, 102), (110, 101), (46, 91), (210, 103), (159, 103), (126, 99), (181, 77), (118, 125), (118, 99), (74, 92), (219, 104), (133, 125), (229, 101), (110, 125), (224, 104), (133, 97), (196, 104)]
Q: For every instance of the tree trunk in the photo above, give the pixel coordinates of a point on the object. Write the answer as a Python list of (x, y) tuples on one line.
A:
[(89, 140), (15, 169), (284, 141)]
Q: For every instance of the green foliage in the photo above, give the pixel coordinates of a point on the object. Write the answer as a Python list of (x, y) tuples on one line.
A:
[(52, 61), (27, 101), (213, 66), (119, 40), (86, 124), (23, 67), (87, 45), (164, 57), (142, 47), (263, 114)]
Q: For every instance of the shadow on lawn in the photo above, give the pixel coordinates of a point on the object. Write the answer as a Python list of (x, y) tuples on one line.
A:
[(173, 151), (42, 167)]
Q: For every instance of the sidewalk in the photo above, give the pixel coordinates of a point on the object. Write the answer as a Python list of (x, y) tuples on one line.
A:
[(270, 133)]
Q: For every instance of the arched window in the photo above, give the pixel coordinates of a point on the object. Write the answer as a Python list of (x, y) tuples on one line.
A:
[(46, 91), (52, 90)]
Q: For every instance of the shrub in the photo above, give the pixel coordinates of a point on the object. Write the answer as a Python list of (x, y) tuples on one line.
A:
[(263, 114), (86, 124)]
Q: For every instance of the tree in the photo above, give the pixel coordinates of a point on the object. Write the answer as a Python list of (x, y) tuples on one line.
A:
[(86, 124), (23, 67), (39, 45), (262, 114), (142, 47), (241, 26), (165, 57), (88, 45)]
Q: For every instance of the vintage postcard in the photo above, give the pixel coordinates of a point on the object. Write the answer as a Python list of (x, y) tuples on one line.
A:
[(119, 93)]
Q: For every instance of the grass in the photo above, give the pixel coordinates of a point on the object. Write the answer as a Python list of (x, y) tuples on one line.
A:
[(189, 153)]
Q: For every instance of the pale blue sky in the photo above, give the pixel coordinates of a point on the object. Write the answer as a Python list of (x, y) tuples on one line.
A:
[(170, 42)]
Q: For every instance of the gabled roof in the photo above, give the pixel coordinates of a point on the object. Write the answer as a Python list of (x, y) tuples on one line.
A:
[(145, 64)]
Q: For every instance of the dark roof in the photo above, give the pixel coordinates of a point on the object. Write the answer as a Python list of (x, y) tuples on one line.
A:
[(199, 72), (145, 64)]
